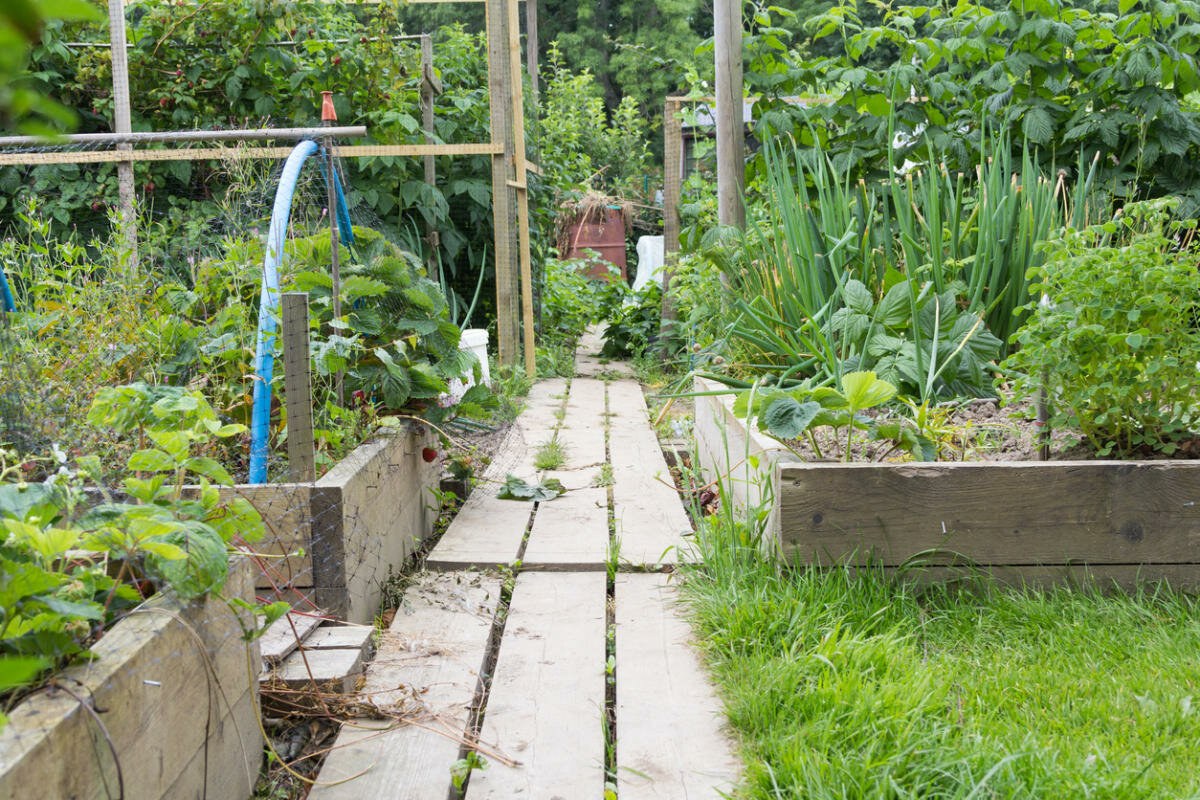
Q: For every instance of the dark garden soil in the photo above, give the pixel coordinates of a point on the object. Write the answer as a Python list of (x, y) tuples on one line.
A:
[(974, 430)]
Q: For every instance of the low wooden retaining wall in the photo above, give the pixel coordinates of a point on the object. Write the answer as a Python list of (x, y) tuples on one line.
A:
[(167, 709), (343, 534), (1119, 522)]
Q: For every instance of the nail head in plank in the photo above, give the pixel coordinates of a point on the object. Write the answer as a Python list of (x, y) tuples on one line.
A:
[(547, 695), (433, 652), (671, 742)]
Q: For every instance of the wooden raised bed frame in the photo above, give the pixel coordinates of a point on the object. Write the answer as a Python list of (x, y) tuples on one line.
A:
[(1106, 522), (171, 699), (344, 533)]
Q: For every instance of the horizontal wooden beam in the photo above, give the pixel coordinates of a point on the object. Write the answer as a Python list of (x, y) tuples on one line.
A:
[(168, 137), (240, 153)]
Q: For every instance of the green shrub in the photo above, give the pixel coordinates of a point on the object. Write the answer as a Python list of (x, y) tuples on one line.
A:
[(1117, 342), (634, 327), (571, 300)]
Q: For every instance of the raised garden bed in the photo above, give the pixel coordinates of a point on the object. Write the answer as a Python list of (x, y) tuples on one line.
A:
[(1024, 522), (167, 708), (345, 532)]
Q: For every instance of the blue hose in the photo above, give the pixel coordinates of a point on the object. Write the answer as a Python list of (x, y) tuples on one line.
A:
[(268, 306), (6, 298)]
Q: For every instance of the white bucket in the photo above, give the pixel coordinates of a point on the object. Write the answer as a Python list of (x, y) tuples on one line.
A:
[(475, 342)]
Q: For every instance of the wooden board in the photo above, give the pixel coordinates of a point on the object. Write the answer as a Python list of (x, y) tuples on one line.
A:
[(740, 458), (358, 638), (570, 532), (332, 670), (487, 532), (994, 513), (582, 434), (433, 652), (589, 362), (651, 525), (671, 744), (285, 635), (547, 695)]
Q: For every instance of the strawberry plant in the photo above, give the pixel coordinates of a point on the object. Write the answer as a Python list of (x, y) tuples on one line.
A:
[(69, 567)]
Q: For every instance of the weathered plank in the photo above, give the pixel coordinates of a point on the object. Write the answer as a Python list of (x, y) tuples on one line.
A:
[(651, 525), (582, 432), (993, 513), (488, 531), (547, 695), (1105, 578), (739, 457), (670, 739), (589, 362), (341, 637), (331, 670), (570, 532), (156, 677), (427, 669), (285, 635)]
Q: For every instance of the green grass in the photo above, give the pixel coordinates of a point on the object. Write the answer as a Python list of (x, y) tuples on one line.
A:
[(846, 685), (551, 454)]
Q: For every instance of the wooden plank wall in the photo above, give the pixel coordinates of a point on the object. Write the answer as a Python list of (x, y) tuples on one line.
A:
[(1129, 517)]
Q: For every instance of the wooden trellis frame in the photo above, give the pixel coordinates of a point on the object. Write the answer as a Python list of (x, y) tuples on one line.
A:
[(510, 200)]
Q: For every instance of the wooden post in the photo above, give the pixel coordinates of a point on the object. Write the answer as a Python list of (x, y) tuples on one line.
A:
[(672, 196), (328, 117), (531, 46), (504, 206), (430, 86), (522, 187), (297, 387), (122, 123), (731, 134)]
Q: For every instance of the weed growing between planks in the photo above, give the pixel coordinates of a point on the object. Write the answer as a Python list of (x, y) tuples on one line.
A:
[(850, 683)]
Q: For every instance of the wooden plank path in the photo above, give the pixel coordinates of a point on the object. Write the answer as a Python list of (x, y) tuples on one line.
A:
[(539, 675), (427, 668)]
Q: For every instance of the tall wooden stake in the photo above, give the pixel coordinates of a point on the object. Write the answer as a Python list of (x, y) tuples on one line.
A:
[(297, 387), (531, 46), (504, 206), (328, 117), (672, 190), (522, 187), (731, 134), (430, 86), (123, 124)]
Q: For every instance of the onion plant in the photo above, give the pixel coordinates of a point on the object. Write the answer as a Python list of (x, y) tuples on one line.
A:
[(966, 239)]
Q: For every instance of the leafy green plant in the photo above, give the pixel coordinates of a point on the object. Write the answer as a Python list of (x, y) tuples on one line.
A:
[(1115, 344), (461, 769), (916, 338), (787, 414), (571, 300), (516, 488), (68, 567), (635, 327), (1066, 77)]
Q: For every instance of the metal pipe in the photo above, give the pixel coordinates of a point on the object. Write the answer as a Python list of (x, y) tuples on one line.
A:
[(253, 134)]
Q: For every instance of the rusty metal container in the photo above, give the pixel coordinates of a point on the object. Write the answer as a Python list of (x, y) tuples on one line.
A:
[(604, 233)]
